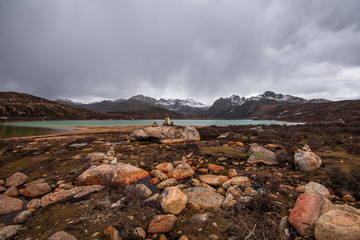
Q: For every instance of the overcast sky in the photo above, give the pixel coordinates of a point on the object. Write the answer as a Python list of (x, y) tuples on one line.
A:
[(90, 50)]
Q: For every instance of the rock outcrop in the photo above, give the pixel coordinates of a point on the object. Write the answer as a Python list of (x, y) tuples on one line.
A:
[(166, 134), (121, 174)]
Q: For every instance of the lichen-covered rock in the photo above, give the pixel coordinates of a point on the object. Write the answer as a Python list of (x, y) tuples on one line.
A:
[(9, 204), (16, 179), (172, 200), (260, 154), (162, 223), (166, 134), (33, 204), (337, 224), (308, 208), (307, 161), (204, 198), (36, 190), (181, 171), (121, 174)]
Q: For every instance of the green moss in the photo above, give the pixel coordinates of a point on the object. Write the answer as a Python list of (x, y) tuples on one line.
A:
[(223, 151)]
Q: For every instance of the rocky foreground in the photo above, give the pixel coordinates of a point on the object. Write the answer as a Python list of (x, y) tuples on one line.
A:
[(235, 183)]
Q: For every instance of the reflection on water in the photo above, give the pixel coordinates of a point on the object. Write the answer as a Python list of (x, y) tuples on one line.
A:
[(14, 131)]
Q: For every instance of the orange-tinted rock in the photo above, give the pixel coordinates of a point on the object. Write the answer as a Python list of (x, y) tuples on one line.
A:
[(308, 208), (172, 200), (165, 167), (9, 204), (154, 181), (232, 173), (113, 233), (181, 171), (349, 198), (237, 181), (122, 174), (213, 180), (214, 167), (239, 144), (162, 223), (159, 174)]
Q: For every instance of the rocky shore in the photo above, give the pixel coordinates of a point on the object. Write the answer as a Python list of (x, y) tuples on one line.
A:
[(269, 182)]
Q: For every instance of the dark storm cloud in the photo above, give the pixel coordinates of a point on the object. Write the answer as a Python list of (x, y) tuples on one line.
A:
[(200, 49)]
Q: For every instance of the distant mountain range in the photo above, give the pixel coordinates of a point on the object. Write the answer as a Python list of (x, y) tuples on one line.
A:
[(231, 107), (24, 107)]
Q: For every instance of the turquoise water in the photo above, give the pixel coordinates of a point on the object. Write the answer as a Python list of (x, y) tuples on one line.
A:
[(20, 129)]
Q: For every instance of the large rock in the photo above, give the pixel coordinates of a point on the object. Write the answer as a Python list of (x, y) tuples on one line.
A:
[(167, 183), (36, 190), (308, 208), (165, 167), (316, 188), (61, 236), (181, 171), (337, 224), (237, 181), (8, 232), (260, 154), (213, 180), (204, 198), (172, 200), (162, 223), (16, 179), (166, 134), (76, 192), (9, 204), (307, 161), (121, 174)]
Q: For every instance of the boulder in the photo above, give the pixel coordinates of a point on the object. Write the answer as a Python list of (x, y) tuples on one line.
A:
[(140, 190), (12, 192), (167, 183), (9, 204), (260, 154), (172, 200), (337, 224), (347, 208), (181, 171), (61, 236), (213, 180), (16, 179), (307, 161), (166, 134), (162, 223), (316, 188), (36, 190), (33, 204), (120, 174), (159, 174), (308, 208), (22, 217), (8, 232), (76, 192), (165, 167), (204, 198), (237, 181)]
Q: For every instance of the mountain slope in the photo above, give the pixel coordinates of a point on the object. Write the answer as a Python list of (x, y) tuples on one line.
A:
[(18, 106)]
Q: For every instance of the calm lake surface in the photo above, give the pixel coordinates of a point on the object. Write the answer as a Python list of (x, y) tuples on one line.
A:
[(22, 129)]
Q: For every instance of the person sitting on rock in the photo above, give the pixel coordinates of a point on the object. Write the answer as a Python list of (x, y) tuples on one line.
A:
[(166, 121), (155, 124)]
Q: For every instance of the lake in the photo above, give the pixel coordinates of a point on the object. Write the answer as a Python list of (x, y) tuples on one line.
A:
[(23, 129)]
